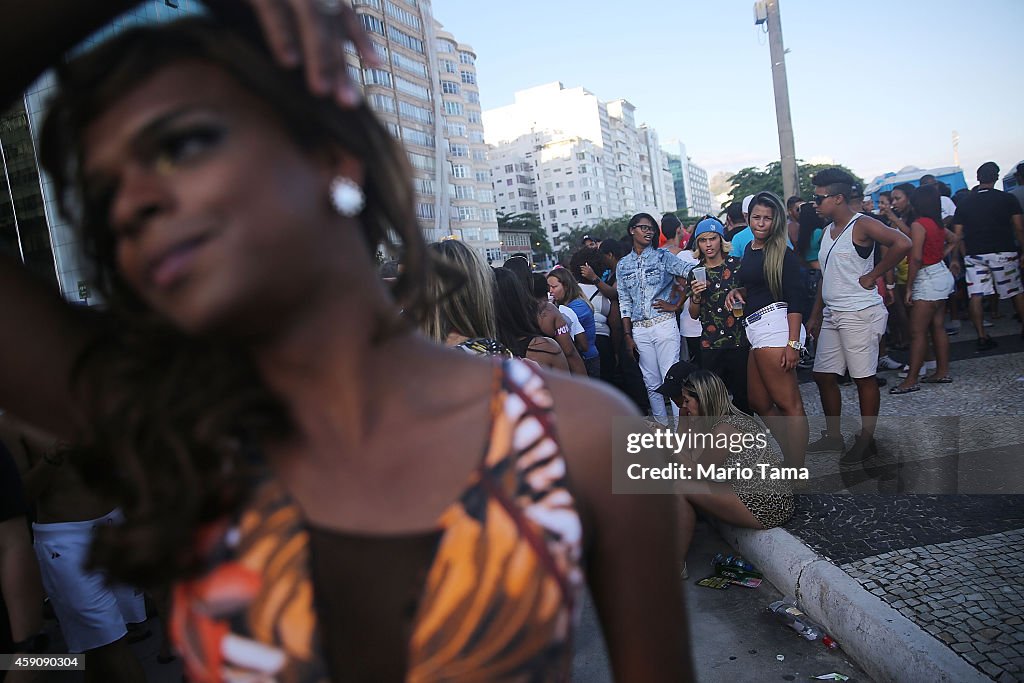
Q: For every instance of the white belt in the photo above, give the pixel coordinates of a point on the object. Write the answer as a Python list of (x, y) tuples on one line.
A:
[(654, 321), (761, 312)]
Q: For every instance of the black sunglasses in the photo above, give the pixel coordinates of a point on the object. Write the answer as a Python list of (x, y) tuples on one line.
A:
[(819, 199)]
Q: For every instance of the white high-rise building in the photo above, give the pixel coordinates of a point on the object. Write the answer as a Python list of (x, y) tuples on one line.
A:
[(588, 158), (427, 95), (691, 184)]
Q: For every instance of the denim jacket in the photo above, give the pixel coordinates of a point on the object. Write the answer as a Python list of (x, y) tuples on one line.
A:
[(645, 278)]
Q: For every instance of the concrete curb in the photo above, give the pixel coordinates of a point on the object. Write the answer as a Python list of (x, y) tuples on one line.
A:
[(886, 644)]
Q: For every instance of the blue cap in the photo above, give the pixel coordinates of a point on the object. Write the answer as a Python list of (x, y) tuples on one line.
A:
[(709, 225)]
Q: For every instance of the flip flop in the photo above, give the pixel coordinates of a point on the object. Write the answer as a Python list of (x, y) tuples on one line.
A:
[(932, 379), (898, 390)]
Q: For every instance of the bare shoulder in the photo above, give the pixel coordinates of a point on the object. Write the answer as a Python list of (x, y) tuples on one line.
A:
[(546, 344), (585, 410)]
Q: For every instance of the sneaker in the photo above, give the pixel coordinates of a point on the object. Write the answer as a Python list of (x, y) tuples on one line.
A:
[(986, 344), (905, 370), (826, 444), (886, 363)]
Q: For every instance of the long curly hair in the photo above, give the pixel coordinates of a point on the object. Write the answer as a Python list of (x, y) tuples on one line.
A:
[(171, 424)]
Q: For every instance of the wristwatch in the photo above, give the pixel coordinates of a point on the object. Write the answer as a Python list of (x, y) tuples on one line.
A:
[(795, 344)]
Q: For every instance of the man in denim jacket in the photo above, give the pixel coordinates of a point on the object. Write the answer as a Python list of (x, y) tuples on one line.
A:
[(644, 276)]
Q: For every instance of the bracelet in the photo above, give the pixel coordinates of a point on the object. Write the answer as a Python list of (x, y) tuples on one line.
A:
[(890, 286)]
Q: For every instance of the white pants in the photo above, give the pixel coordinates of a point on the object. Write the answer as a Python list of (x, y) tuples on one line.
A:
[(659, 350), (91, 612)]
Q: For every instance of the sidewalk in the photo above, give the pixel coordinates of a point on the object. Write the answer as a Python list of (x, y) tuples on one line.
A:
[(918, 587)]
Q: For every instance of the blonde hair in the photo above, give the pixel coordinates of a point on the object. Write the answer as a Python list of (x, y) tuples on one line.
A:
[(464, 304), (569, 284), (712, 396), (775, 246), (699, 255)]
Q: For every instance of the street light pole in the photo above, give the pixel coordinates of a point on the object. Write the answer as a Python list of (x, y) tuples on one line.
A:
[(790, 177)]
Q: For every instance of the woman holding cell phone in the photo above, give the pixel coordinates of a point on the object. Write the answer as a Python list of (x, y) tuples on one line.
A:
[(723, 343), (772, 291)]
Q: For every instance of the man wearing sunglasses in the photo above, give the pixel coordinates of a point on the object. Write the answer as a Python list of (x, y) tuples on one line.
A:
[(644, 276), (849, 315)]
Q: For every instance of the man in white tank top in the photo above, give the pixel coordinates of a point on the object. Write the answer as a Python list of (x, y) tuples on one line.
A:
[(849, 315)]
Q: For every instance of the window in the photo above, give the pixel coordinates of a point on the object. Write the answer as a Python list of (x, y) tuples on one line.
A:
[(479, 155), (445, 46), (423, 185), (372, 3), (561, 211), (456, 130), (410, 65), (474, 116), (416, 113), (458, 150), (410, 88), (405, 40), (554, 227), (586, 196), (354, 73), (393, 129), (551, 201), (588, 209), (468, 213), (417, 137), (571, 183), (420, 161), (448, 66), (472, 97), (572, 198), (558, 185), (487, 215), (468, 77), (452, 108), (485, 196), (581, 155), (460, 171), (465, 192), (483, 177), (553, 214), (583, 168), (476, 136), (382, 103), (372, 24), (466, 58), (508, 181), (424, 210), (377, 76), (449, 87), (575, 212), (404, 16)]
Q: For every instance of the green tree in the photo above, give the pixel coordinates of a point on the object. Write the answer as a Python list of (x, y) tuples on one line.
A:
[(608, 228), (541, 247), (752, 180)]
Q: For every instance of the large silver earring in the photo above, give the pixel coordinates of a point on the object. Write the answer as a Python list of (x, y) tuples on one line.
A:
[(347, 197)]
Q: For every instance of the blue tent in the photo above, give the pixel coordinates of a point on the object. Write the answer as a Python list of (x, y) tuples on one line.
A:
[(951, 175)]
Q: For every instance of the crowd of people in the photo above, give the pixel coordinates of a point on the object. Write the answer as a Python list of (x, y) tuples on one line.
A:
[(319, 469)]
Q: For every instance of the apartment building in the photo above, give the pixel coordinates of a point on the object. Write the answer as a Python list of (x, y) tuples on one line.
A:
[(690, 183)]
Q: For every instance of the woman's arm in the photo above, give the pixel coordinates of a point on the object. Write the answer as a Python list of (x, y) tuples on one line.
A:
[(40, 340), (917, 237), (631, 549), (951, 242)]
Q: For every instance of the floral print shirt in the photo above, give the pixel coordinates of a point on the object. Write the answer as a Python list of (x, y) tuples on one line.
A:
[(721, 329)]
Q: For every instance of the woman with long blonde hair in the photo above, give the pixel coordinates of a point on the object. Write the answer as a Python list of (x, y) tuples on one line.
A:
[(772, 297)]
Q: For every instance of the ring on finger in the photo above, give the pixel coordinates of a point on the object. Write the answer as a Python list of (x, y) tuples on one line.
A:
[(329, 7)]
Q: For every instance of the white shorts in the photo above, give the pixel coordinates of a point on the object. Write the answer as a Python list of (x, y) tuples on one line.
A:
[(997, 273), (91, 613), (771, 330), (933, 283), (849, 341)]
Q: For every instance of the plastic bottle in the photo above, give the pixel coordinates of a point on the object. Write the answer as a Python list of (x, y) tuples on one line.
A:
[(793, 617), (733, 561)]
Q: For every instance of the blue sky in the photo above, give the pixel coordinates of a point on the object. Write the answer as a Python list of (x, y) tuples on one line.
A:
[(875, 85)]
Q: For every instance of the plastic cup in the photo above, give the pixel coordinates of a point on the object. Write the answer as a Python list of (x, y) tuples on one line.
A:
[(700, 273)]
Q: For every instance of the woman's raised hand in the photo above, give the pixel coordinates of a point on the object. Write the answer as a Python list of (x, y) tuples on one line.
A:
[(314, 32)]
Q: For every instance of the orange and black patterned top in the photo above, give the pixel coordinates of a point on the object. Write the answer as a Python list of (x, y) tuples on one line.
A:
[(499, 600)]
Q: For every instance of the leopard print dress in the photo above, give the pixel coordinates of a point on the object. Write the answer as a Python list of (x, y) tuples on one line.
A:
[(769, 500)]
